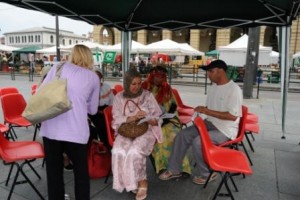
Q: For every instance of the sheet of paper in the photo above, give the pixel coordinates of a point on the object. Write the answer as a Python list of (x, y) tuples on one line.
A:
[(168, 116), (145, 119), (164, 116)]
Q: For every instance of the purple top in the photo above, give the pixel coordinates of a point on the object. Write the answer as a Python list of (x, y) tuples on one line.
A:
[(83, 91)]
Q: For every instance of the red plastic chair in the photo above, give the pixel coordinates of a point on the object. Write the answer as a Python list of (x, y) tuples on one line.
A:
[(19, 154), (13, 106), (33, 88), (182, 108), (185, 119), (227, 162), (252, 118), (108, 119), (109, 131), (114, 91), (8, 90), (118, 88), (240, 136)]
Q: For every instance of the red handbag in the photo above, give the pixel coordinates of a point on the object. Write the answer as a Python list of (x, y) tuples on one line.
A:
[(99, 160)]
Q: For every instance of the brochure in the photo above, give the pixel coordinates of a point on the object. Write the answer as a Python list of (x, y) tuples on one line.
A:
[(164, 116)]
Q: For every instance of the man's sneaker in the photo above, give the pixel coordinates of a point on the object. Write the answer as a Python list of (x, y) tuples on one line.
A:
[(69, 167)]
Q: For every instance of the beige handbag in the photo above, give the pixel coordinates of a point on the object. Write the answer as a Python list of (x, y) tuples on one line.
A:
[(49, 101), (132, 129)]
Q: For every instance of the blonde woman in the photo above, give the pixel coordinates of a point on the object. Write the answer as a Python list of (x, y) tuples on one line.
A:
[(69, 132)]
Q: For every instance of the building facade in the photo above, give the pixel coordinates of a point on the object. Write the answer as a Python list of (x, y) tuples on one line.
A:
[(41, 36), (203, 40)]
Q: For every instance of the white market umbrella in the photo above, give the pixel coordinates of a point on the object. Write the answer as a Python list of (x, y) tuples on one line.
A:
[(51, 50), (7, 48), (171, 47), (136, 47), (92, 45)]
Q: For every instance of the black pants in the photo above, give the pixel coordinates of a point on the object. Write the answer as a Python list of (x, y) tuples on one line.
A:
[(100, 126), (54, 166)]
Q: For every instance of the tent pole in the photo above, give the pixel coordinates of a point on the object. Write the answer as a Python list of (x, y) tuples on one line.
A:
[(57, 38), (251, 62), (125, 49), (284, 34)]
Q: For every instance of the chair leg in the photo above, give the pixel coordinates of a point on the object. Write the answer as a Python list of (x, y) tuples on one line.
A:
[(35, 131), (11, 128), (220, 186), (28, 162), (246, 152), (107, 176), (8, 135), (9, 174), (14, 183), (225, 181), (152, 162), (228, 189), (207, 180), (30, 183), (249, 142), (233, 183), (43, 162), (253, 138)]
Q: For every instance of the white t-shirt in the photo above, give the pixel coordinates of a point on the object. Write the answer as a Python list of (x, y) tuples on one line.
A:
[(106, 96), (225, 98)]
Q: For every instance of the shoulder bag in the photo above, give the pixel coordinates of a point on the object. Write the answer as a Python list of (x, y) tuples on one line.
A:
[(132, 129), (49, 101)]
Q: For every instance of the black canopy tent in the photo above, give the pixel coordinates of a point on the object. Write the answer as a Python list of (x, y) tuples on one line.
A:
[(135, 15), (170, 14)]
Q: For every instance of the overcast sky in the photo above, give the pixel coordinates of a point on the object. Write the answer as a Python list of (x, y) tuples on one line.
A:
[(14, 19)]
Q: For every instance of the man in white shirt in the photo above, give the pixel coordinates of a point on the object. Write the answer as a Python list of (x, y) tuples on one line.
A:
[(223, 110)]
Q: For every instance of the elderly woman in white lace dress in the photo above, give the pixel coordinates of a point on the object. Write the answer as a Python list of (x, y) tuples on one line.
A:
[(129, 155)]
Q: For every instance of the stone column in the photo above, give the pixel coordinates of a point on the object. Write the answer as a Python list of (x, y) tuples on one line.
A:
[(142, 36), (262, 35), (195, 38), (96, 33), (295, 37), (223, 37), (166, 34), (117, 37)]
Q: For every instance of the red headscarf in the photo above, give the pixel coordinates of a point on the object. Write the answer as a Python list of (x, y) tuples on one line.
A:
[(164, 93)]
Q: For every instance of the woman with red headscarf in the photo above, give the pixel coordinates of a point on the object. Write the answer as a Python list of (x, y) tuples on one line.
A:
[(157, 84)]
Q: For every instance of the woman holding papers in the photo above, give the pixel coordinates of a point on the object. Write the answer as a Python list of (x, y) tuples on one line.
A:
[(129, 155), (157, 84)]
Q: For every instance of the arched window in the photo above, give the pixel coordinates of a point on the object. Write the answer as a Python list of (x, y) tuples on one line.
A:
[(105, 37), (70, 42), (51, 39), (63, 41)]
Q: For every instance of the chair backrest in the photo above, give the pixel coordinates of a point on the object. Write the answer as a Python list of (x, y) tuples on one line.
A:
[(3, 143), (33, 88), (109, 130), (114, 91), (177, 97), (118, 88), (13, 105), (241, 130), (242, 124), (8, 90), (206, 142)]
